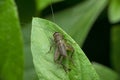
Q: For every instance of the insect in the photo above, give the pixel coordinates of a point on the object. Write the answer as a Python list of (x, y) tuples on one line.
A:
[(62, 48)]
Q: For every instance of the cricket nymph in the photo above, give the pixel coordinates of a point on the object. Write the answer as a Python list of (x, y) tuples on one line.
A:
[(58, 38), (61, 50)]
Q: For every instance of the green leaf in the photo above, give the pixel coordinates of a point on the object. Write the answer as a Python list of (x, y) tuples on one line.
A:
[(11, 45), (78, 20), (46, 68), (41, 4), (115, 47), (114, 11), (105, 73)]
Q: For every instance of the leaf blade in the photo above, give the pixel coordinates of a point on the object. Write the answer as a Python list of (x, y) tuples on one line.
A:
[(115, 51), (105, 73), (11, 52), (42, 31), (113, 11)]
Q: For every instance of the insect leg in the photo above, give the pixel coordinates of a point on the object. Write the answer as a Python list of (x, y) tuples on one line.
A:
[(66, 69), (61, 58), (50, 48), (70, 48), (57, 57)]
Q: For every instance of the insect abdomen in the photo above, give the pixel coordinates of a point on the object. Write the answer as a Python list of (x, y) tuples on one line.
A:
[(62, 50)]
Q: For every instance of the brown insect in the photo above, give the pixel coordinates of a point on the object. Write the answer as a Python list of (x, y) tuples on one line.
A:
[(62, 48)]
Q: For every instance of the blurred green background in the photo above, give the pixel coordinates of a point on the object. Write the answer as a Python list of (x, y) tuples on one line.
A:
[(93, 24)]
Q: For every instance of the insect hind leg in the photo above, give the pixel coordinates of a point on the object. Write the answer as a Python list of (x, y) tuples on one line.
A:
[(70, 48)]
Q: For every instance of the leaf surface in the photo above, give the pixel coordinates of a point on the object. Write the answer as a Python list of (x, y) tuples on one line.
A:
[(115, 47), (105, 73), (46, 68), (114, 11), (11, 44)]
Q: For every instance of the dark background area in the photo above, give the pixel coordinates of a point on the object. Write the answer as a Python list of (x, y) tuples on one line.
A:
[(97, 43)]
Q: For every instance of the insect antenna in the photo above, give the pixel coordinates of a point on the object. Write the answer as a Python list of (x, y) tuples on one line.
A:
[(52, 11)]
